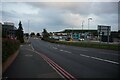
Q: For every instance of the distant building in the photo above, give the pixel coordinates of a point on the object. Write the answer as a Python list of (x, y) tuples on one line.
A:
[(8, 30), (77, 34), (115, 35), (0, 29)]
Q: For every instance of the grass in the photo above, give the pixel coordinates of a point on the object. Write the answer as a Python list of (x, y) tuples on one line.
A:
[(115, 47)]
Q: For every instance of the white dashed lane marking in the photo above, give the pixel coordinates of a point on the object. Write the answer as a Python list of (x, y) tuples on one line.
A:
[(21, 45), (61, 50), (55, 48), (99, 59), (65, 51)]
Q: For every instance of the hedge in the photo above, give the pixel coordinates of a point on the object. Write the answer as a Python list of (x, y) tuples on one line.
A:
[(9, 46)]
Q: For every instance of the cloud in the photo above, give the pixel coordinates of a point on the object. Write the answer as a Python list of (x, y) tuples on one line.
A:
[(60, 0), (73, 13), (56, 16)]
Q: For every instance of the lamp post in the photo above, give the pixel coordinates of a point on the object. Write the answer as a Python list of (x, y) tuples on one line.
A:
[(82, 26), (89, 23), (28, 28)]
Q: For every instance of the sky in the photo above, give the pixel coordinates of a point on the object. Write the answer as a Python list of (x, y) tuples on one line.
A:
[(60, 15)]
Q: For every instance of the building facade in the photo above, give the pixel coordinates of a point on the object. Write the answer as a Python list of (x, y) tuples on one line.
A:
[(8, 30), (77, 34)]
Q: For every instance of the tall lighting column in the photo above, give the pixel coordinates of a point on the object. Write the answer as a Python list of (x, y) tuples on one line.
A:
[(82, 25), (28, 28), (89, 23)]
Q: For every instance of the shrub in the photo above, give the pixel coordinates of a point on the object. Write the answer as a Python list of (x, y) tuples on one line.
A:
[(9, 47)]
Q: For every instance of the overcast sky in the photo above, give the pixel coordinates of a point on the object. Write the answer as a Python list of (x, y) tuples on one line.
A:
[(57, 16)]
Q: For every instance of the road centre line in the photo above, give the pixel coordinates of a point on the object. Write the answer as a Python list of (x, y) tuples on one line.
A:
[(84, 55), (99, 59), (82, 50), (21, 45), (61, 50), (65, 51), (55, 48)]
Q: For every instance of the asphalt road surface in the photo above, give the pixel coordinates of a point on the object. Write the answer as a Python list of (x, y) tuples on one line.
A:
[(81, 62)]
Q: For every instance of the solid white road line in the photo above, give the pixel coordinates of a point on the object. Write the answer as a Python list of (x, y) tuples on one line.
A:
[(99, 59)]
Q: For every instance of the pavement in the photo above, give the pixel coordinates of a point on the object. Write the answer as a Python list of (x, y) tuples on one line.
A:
[(28, 64)]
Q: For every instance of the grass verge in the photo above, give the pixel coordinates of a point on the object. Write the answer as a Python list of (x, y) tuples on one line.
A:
[(115, 47)]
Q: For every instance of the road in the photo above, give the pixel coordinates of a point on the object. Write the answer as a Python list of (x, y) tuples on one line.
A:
[(42, 59), (80, 62)]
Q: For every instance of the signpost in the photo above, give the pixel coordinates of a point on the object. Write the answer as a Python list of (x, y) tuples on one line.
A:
[(104, 31)]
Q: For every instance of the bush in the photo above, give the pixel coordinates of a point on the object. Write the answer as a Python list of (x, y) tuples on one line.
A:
[(9, 47)]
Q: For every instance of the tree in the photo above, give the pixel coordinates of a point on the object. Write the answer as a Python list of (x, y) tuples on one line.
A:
[(38, 34), (32, 34), (45, 34), (20, 26), (20, 33)]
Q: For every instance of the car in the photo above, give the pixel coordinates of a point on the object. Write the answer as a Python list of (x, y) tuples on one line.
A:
[(81, 39)]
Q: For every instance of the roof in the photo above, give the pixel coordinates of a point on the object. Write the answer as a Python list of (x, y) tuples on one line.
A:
[(76, 31)]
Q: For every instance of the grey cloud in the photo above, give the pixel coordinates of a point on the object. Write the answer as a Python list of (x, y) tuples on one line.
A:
[(81, 7), (53, 15)]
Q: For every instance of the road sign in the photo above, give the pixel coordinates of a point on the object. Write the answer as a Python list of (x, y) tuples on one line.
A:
[(105, 30)]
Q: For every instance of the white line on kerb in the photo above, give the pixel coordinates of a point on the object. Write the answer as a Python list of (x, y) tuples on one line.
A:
[(32, 47), (99, 59)]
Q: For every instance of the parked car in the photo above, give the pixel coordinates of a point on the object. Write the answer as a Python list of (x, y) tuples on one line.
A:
[(81, 39), (68, 39)]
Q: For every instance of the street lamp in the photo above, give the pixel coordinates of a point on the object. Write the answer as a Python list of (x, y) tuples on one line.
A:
[(82, 26), (28, 28), (89, 24)]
